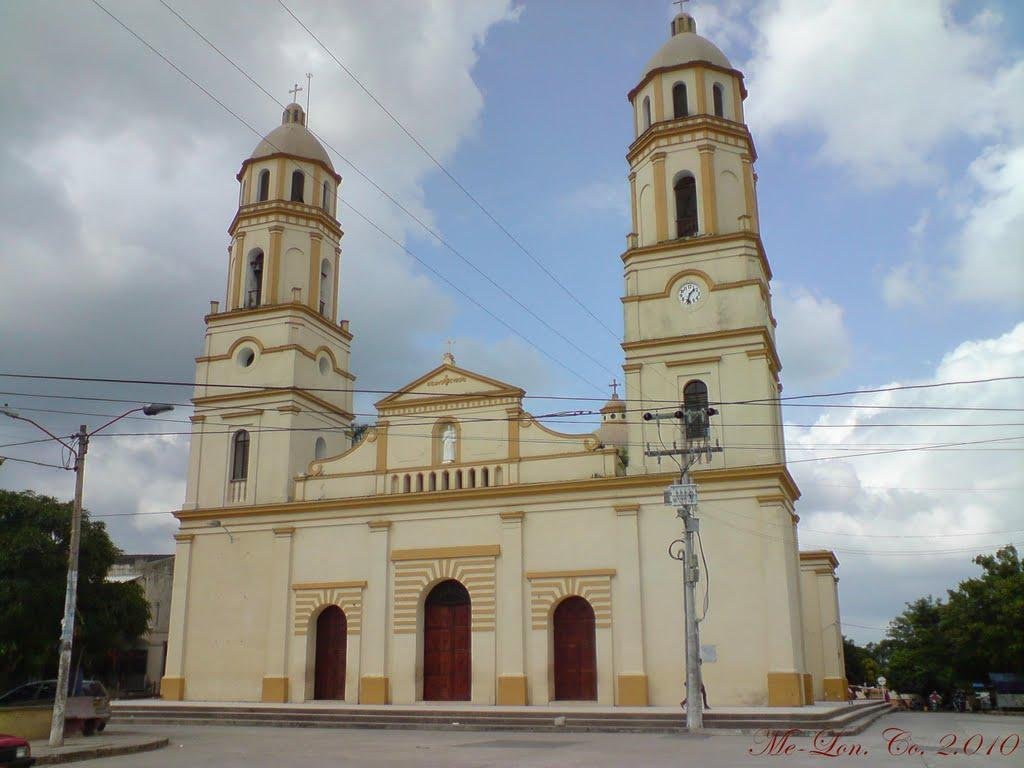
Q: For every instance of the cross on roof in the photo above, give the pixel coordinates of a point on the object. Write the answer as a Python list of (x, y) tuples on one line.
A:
[(680, 4), (614, 385), (295, 92)]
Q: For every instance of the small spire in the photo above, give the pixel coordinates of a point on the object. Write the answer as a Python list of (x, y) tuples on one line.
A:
[(615, 389), (448, 358)]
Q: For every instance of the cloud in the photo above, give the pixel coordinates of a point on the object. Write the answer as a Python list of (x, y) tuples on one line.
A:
[(906, 284), (814, 343), (598, 197), (877, 507), (120, 185), (885, 90)]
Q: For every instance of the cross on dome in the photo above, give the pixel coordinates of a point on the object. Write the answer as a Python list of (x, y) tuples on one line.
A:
[(294, 92)]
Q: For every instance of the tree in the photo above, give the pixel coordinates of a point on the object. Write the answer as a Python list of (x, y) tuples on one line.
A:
[(35, 532)]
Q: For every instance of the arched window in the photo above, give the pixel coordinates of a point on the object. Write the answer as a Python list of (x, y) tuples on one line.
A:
[(419, 482), (716, 93), (240, 455), (264, 191), (472, 479), (679, 108), (394, 483), (695, 409), (325, 283), (254, 279), (444, 480), (484, 477), (298, 183), (647, 112), (326, 197), (497, 475), (458, 478), (686, 205), (433, 481), (406, 484), (319, 448)]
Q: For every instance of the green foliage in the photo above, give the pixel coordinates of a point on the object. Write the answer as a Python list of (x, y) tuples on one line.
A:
[(34, 539), (937, 645)]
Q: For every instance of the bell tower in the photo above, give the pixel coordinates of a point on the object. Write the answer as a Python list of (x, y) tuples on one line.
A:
[(273, 391), (697, 303)]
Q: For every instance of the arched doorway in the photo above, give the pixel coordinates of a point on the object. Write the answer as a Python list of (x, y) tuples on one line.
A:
[(575, 652), (331, 638), (446, 639)]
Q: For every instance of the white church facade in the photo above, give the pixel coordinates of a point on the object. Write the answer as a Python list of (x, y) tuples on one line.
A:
[(459, 549)]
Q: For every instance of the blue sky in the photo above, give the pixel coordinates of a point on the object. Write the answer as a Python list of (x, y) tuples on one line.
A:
[(890, 144)]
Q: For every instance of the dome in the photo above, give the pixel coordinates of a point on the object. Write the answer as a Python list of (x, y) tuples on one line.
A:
[(685, 46), (292, 138)]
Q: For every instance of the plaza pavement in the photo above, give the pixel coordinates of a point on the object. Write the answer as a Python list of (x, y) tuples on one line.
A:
[(231, 747)]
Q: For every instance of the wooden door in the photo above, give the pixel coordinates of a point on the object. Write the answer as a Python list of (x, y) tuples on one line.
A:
[(331, 639), (575, 651), (446, 643)]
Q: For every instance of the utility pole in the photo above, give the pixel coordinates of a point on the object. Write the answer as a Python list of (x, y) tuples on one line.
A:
[(683, 496), (78, 447), (67, 625)]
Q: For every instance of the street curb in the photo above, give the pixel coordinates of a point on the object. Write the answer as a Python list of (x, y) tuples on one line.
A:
[(112, 750)]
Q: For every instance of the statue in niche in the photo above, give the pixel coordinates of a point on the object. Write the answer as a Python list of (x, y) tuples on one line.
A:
[(448, 444)]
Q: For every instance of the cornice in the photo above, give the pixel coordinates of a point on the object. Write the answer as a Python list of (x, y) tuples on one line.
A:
[(700, 64), (692, 128), (703, 241), (274, 392), (292, 212), (312, 161), (268, 309)]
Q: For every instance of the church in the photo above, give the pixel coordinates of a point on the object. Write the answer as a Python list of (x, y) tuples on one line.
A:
[(459, 549)]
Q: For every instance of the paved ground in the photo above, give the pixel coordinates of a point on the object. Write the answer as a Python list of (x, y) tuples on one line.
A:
[(255, 747)]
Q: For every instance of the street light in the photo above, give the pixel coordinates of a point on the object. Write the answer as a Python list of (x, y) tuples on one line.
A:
[(78, 447)]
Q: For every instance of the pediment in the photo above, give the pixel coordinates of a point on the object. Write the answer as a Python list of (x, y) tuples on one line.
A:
[(448, 383)]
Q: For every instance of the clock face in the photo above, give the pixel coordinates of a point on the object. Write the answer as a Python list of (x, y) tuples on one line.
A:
[(689, 293)]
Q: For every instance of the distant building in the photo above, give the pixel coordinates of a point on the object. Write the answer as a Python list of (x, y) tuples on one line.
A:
[(142, 667)]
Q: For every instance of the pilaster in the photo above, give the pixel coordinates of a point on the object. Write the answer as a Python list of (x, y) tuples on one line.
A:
[(238, 251), (172, 686), (631, 676), (632, 200), (511, 618), (708, 198), (373, 683), (313, 293), (274, 264), (660, 203), (275, 674)]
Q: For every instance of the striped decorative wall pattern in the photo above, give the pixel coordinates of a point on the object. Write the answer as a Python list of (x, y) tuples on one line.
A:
[(310, 599), (547, 589), (476, 574)]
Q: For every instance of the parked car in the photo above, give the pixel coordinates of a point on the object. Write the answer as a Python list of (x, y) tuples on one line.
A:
[(89, 707), (15, 752)]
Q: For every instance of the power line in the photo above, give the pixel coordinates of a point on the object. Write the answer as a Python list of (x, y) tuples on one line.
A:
[(430, 230), (478, 304), (31, 461), (445, 171)]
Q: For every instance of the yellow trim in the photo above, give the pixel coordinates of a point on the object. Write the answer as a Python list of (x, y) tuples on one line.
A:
[(709, 241), (277, 155), (712, 285), (379, 525), (441, 553), (835, 688), (255, 394), (197, 419), (282, 308), (281, 168), (627, 509), (373, 690), (256, 215), (313, 292), (693, 338), (748, 190), (360, 584), (275, 690), (632, 199), (777, 472), (570, 574), (511, 691), (274, 266), (688, 65), (819, 557), (693, 361), (709, 198), (702, 91), (240, 414), (289, 409), (172, 688), (284, 530), (659, 100), (511, 515), (184, 537), (737, 102), (499, 388), (358, 505), (632, 691), (514, 427), (785, 689), (381, 431), (239, 273), (688, 130), (660, 203)]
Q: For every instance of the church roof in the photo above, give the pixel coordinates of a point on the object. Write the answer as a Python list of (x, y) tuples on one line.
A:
[(685, 46), (292, 137)]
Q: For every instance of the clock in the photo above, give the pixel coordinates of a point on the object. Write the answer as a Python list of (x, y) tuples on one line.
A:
[(689, 293)]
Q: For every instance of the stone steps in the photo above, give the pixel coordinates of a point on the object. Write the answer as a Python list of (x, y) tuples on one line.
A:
[(845, 720)]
